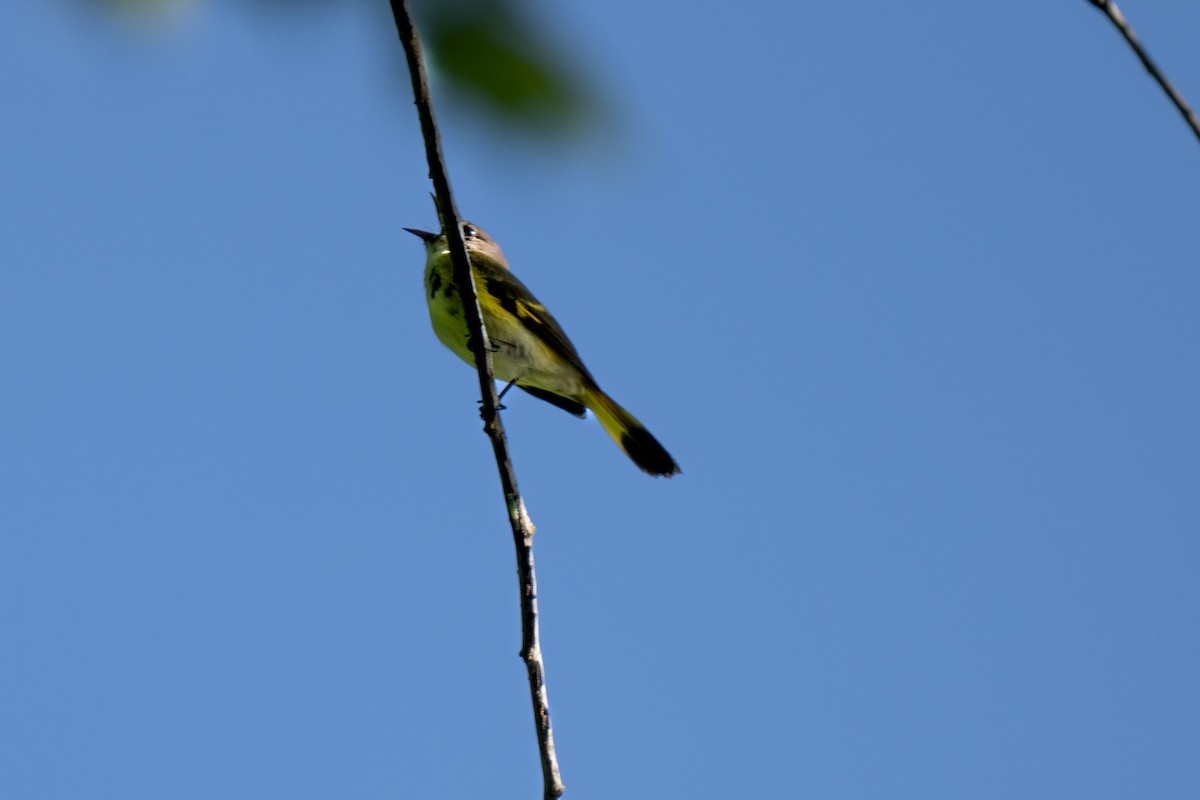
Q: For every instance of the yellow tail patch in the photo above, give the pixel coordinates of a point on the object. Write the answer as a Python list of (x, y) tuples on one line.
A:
[(630, 435)]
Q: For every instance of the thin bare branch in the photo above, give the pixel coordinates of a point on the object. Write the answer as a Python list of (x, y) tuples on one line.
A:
[(1110, 10), (518, 517)]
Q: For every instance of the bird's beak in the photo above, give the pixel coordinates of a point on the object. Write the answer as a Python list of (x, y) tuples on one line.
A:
[(425, 236)]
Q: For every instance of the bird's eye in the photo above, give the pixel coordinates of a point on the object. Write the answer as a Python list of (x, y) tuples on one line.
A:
[(469, 231)]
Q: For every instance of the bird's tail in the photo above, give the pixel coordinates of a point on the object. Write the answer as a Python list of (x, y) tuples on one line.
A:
[(629, 434)]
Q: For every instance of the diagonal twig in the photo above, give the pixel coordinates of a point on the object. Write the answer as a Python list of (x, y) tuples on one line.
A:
[(518, 517), (1110, 10)]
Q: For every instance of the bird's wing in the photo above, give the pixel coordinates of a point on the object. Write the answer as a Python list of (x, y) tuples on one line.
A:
[(565, 403), (520, 302)]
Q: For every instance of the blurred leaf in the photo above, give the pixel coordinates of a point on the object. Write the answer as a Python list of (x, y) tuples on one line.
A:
[(492, 55), (145, 10), (139, 5), (495, 56)]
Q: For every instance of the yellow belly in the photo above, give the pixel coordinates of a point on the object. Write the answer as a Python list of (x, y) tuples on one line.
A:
[(516, 353)]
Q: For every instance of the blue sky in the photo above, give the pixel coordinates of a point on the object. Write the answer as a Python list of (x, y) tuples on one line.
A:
[(909, 292)]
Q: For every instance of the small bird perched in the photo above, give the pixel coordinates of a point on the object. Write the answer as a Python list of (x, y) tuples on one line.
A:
[(529, 346)]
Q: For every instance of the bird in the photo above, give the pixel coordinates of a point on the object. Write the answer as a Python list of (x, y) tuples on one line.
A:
[(529, 347)]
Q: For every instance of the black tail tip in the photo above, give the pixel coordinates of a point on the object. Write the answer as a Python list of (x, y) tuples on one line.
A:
[(648, 454)]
